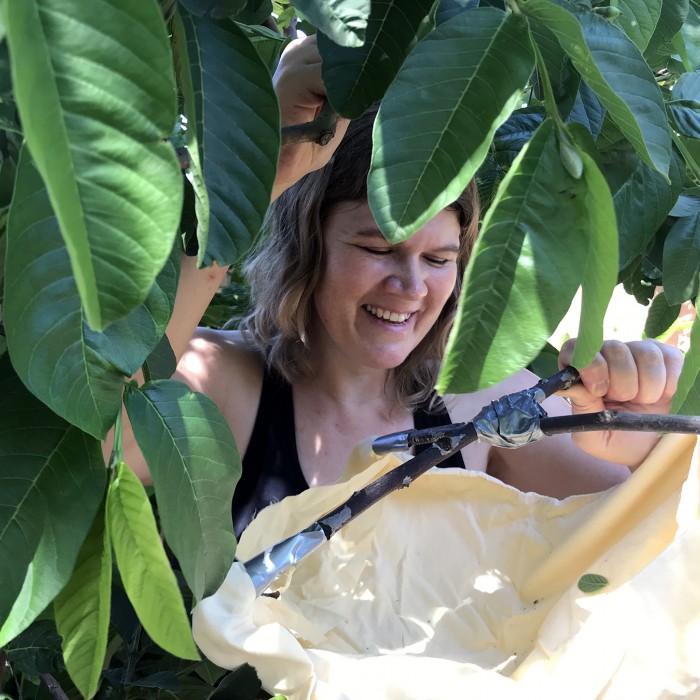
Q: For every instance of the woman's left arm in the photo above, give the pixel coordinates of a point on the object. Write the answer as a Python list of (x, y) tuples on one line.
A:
[(638, 377)]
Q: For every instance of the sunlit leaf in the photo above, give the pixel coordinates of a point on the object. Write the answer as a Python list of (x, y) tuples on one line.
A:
[(51, 484), (233, 133), (615, 70), (343, 21), (75, 371), (523, 273), (195, 466), (82, 610), (601, 267), (357, 77), (439, 115), (143, 565), (671, 18), (96, 98)]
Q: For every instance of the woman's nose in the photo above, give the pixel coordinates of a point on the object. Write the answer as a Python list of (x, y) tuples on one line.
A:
[(408, 280)]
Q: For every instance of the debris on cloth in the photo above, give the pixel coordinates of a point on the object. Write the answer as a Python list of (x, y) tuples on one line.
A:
[(461, 586)]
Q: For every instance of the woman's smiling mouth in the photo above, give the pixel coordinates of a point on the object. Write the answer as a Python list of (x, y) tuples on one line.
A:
[(386, 315)]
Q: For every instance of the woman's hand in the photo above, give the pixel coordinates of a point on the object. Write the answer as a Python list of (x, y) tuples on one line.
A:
[(301, 93), (635, 377)]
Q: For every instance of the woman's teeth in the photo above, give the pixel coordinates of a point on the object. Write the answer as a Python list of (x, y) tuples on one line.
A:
[(385, 315)]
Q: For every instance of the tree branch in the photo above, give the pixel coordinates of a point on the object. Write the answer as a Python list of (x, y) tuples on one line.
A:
[(53, 686), (321, 130)]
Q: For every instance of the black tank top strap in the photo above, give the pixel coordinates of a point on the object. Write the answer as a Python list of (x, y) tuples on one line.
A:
[(271, 468), (423, 418)]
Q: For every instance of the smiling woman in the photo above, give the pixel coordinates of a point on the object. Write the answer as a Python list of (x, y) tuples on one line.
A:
[(348, 331)]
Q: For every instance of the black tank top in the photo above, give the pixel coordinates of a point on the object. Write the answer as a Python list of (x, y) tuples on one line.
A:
[(271, 469)]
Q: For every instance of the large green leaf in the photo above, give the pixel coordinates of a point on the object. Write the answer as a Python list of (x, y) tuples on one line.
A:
[(681, 261), (357, 77), (146, 574), (195, 466), (233, 133), (439, 115), (615, 69), (82, 610), (601, 267), (639, 19), (686, 400), (75, 371), (96, 94), (344, 21), (51, 483), (523, 273)]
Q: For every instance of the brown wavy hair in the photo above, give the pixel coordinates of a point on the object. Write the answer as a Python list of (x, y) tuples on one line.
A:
[(285, 266)]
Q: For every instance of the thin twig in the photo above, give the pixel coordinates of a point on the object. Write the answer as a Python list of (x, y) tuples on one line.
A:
[(54, 687), (321, 130), (3, 660)]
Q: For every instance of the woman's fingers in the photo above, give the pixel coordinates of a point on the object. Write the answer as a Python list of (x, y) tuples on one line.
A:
[(639, 372)]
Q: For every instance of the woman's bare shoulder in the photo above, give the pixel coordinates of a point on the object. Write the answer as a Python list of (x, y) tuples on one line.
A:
[(224, 366)]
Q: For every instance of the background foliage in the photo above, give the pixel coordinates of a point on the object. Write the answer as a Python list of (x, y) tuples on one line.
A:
[(131, 130)]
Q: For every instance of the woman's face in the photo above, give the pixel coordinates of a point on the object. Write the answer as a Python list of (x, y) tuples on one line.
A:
[(376, 301)]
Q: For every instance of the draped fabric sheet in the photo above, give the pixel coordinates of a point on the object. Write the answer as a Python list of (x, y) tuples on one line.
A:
[(461, 586)]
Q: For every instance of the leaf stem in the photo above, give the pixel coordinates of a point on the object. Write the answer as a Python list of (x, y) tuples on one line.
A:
[(117, 450)]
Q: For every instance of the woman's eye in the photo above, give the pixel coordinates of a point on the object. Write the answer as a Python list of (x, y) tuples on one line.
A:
[(376, 251), (438, 262)]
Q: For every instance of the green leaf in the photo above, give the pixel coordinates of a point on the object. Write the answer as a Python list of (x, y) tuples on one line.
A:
[(161, 363), (75, 371), (233, 133), (588, 110), (563, 78), (642, 199), (639, 19), (267, 43), (661, 316), (195, 466), (690, 34), (600, 273), (52, 481), (36, 651), (358, 77), (515, 132), (684, 108), (218, 9), (615, 70), (671, 18), (96, 98), (681, 261), (523, 273), (686, 400), (146, 574), (438, 117), (242, 683), (592, 583), (82, 610), (343, 21)]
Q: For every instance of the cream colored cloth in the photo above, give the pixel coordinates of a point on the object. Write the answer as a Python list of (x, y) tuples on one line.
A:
[(460, 586)]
